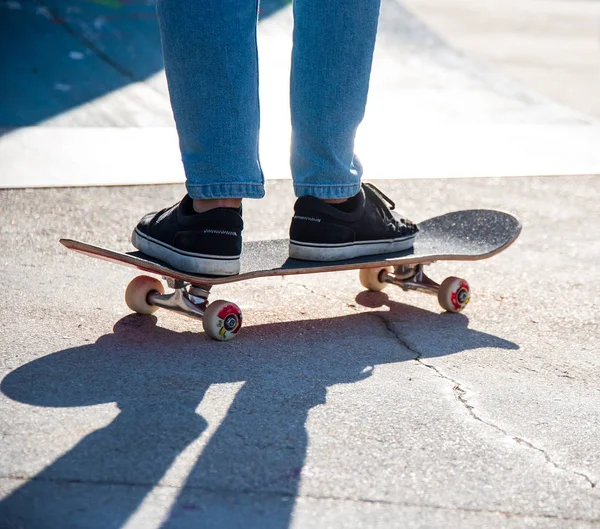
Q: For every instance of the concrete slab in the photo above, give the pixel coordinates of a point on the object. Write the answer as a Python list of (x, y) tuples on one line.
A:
[(550, 46), (333, 408), (425, 98)]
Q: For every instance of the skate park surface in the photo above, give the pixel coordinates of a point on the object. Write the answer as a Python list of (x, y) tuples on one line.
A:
[(334, 407)]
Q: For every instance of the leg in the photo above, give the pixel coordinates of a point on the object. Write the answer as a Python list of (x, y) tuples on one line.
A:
[(211, 63), (331, 66), (210, 54)]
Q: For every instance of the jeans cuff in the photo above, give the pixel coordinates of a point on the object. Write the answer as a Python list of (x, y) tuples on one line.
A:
[(228, 190), (326, 192)]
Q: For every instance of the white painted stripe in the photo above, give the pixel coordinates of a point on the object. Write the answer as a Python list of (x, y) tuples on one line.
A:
[(65, 156)]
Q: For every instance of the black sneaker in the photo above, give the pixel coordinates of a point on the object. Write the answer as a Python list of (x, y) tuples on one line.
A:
[(363, 225), (199, 243)]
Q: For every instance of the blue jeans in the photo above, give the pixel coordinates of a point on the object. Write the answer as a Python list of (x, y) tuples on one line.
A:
[(211, 63)]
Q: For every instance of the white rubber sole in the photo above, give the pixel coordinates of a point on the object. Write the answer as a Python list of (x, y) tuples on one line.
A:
[(338, 252), (192, 263)]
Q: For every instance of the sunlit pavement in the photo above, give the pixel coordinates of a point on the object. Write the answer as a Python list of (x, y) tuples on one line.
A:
[(334, 407)]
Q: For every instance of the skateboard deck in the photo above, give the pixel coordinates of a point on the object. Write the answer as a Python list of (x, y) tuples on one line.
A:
[(459, 236)]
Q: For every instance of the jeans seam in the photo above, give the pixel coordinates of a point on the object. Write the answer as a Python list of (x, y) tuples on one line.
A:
[(229, 184), (328, 185)]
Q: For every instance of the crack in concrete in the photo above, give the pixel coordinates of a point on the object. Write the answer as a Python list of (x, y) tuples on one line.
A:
[(337, 300), (461, 396), (319, 293), (459, 392), (292, 495)]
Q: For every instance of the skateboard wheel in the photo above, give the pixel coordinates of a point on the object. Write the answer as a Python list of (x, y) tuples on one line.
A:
[(454, 294), (222, 320), (136, 295), (369, 278)]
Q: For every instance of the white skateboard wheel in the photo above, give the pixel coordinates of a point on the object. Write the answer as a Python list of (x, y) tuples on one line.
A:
[(369, 278), (136, 295), (454, 294), (222, 320)]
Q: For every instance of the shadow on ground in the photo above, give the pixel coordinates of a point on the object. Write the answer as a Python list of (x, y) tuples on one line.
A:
[(60, 54), (158, 377)]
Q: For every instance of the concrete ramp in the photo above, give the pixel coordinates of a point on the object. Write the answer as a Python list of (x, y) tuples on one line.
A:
[(86, 103)]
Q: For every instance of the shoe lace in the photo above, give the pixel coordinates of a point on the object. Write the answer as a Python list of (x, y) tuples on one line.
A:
[(384, 205)]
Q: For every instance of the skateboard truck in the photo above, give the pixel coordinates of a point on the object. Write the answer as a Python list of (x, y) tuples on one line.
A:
[(221, 319), (190, 301), (453, 293), (410, 278)]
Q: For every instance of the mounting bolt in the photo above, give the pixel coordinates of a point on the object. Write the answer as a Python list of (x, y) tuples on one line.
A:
[(174, 283)]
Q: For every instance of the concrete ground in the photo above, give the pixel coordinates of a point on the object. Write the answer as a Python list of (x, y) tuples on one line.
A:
[(549, 46), (333, 408)]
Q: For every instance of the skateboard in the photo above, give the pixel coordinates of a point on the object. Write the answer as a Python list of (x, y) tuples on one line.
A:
[(459, 236)]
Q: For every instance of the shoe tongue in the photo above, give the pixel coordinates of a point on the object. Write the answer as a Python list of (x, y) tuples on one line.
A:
[(351, 204), (187, 206), (357, 200)]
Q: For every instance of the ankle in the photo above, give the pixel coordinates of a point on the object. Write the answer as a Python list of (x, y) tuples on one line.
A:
[(206, 204)]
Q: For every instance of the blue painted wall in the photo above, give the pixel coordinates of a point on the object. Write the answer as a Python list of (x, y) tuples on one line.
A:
[(56, 55)]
